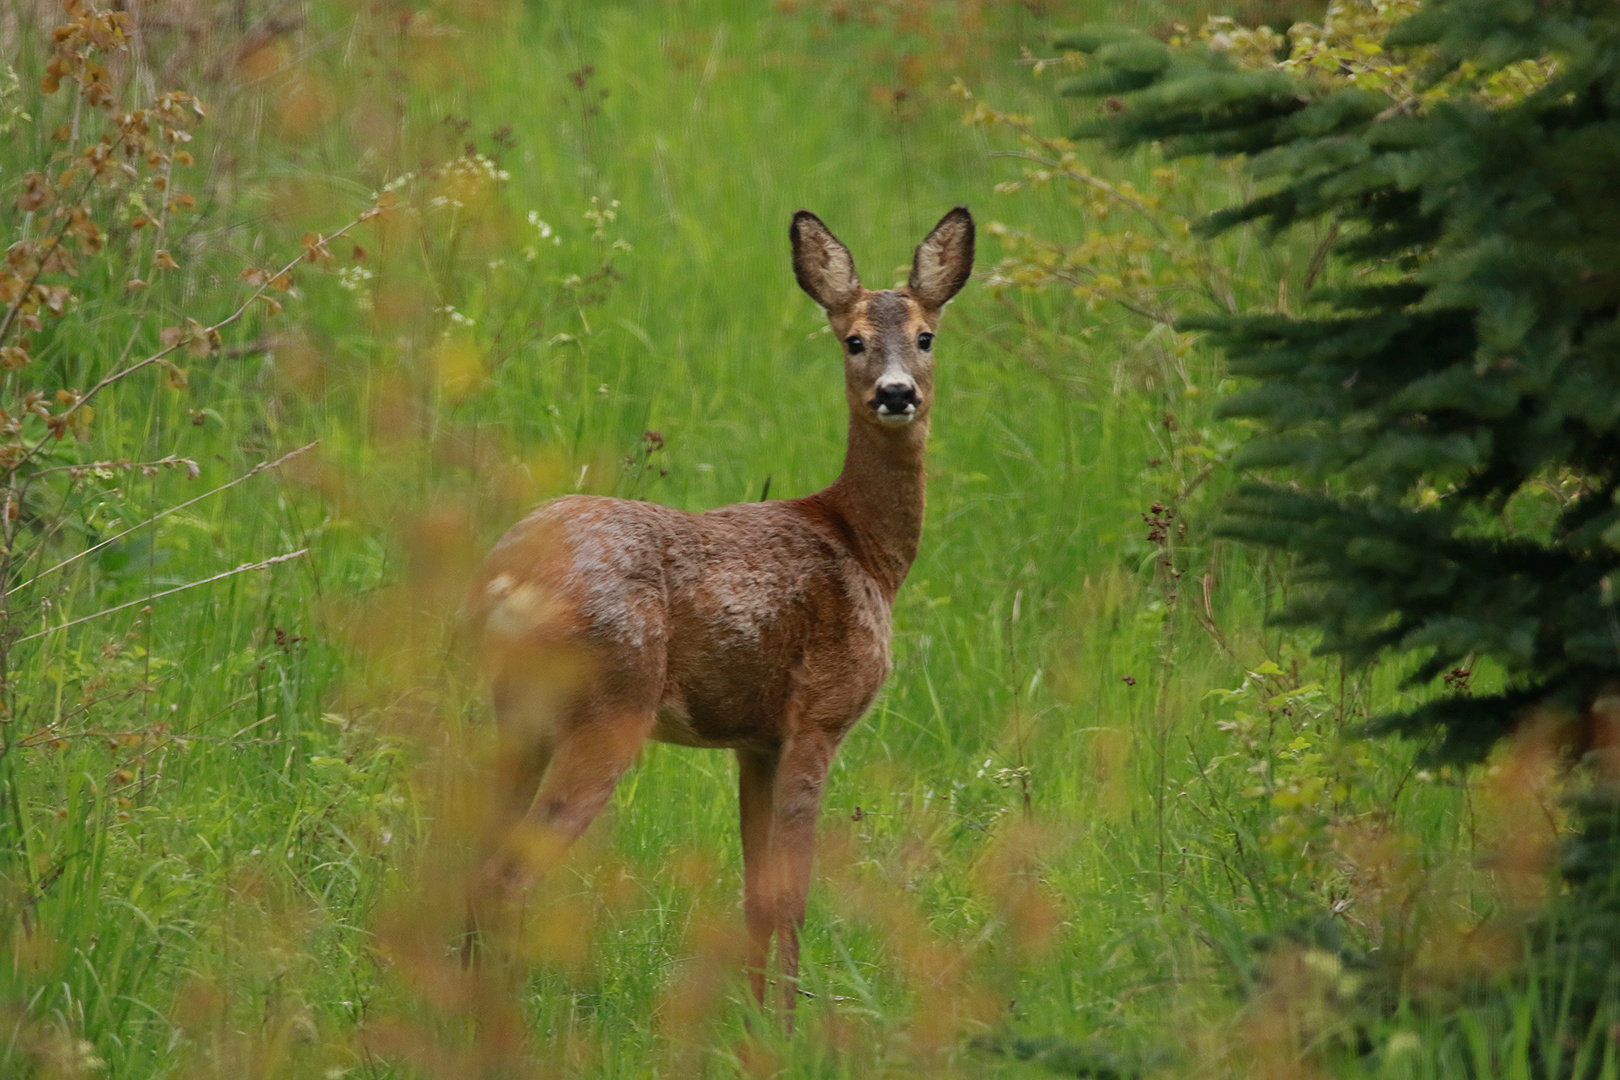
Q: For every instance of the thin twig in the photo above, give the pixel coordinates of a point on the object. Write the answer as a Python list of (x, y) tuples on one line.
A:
[(11, 312), (260, 467), (83, 708), (1319, 257), (163, 354), (1086, 178), (87, 466), (244, 568), (256, 723), (1205, 474), (1207, 619), (28, 483), (49, 733)]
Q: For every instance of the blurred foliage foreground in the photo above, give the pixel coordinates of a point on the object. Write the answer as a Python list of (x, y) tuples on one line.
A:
[(303, 302)]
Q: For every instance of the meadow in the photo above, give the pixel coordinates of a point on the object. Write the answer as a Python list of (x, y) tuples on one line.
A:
[(1102, 821)]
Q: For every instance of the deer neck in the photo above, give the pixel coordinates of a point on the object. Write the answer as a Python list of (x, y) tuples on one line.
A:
[(880, 495)]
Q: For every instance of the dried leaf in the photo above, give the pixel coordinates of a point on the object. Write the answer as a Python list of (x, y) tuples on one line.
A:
[(36, 193), (162, 260), (82, 417), (58, 260), (55, 297), (196, 339), (90, 238)]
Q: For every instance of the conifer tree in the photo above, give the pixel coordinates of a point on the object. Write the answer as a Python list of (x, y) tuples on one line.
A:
[(1438, 436)]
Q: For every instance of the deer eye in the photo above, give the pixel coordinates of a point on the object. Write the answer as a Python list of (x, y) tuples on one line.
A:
[(925, 341), (855, 344)]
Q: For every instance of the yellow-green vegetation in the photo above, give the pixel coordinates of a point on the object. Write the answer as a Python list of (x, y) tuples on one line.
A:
[(440, 261)]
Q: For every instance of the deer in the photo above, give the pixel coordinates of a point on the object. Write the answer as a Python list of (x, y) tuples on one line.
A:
[(761, 628)]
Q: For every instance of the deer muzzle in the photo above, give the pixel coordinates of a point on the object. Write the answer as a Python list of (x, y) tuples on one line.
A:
[(895, 403)]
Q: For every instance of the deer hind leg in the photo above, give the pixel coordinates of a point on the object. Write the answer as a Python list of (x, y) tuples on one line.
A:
[(580, 765), (525, 721), (525, 715), (526, 711), (756, 779), (590, 759), (570, 748)]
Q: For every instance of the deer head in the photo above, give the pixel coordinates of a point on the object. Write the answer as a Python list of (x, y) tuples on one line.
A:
[(887, 336)]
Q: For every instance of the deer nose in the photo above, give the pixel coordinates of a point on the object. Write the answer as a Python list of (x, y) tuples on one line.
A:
[(898, 400)]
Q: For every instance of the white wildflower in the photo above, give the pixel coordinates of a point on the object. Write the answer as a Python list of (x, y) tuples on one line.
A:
[(352, 277)]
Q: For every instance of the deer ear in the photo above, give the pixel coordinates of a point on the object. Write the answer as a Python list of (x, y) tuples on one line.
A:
[(943, 260), (823, 265)]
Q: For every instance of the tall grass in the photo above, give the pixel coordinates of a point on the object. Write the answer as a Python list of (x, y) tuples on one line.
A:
[(1048, 825)]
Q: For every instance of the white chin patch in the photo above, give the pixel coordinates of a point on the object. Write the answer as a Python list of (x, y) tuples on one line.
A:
[(896, 419)]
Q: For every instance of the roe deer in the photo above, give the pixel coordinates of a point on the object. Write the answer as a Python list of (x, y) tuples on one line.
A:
[(762, 628)]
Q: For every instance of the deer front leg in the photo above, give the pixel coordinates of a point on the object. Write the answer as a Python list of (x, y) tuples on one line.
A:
[(800, 777), (756, 776)]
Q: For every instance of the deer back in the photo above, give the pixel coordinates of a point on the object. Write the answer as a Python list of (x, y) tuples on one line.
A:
[(727, 618)]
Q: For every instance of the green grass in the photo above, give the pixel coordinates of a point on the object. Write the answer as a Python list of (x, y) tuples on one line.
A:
[(265, 899)]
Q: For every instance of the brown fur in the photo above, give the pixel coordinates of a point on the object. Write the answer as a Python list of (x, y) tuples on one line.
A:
[(762, 628)]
